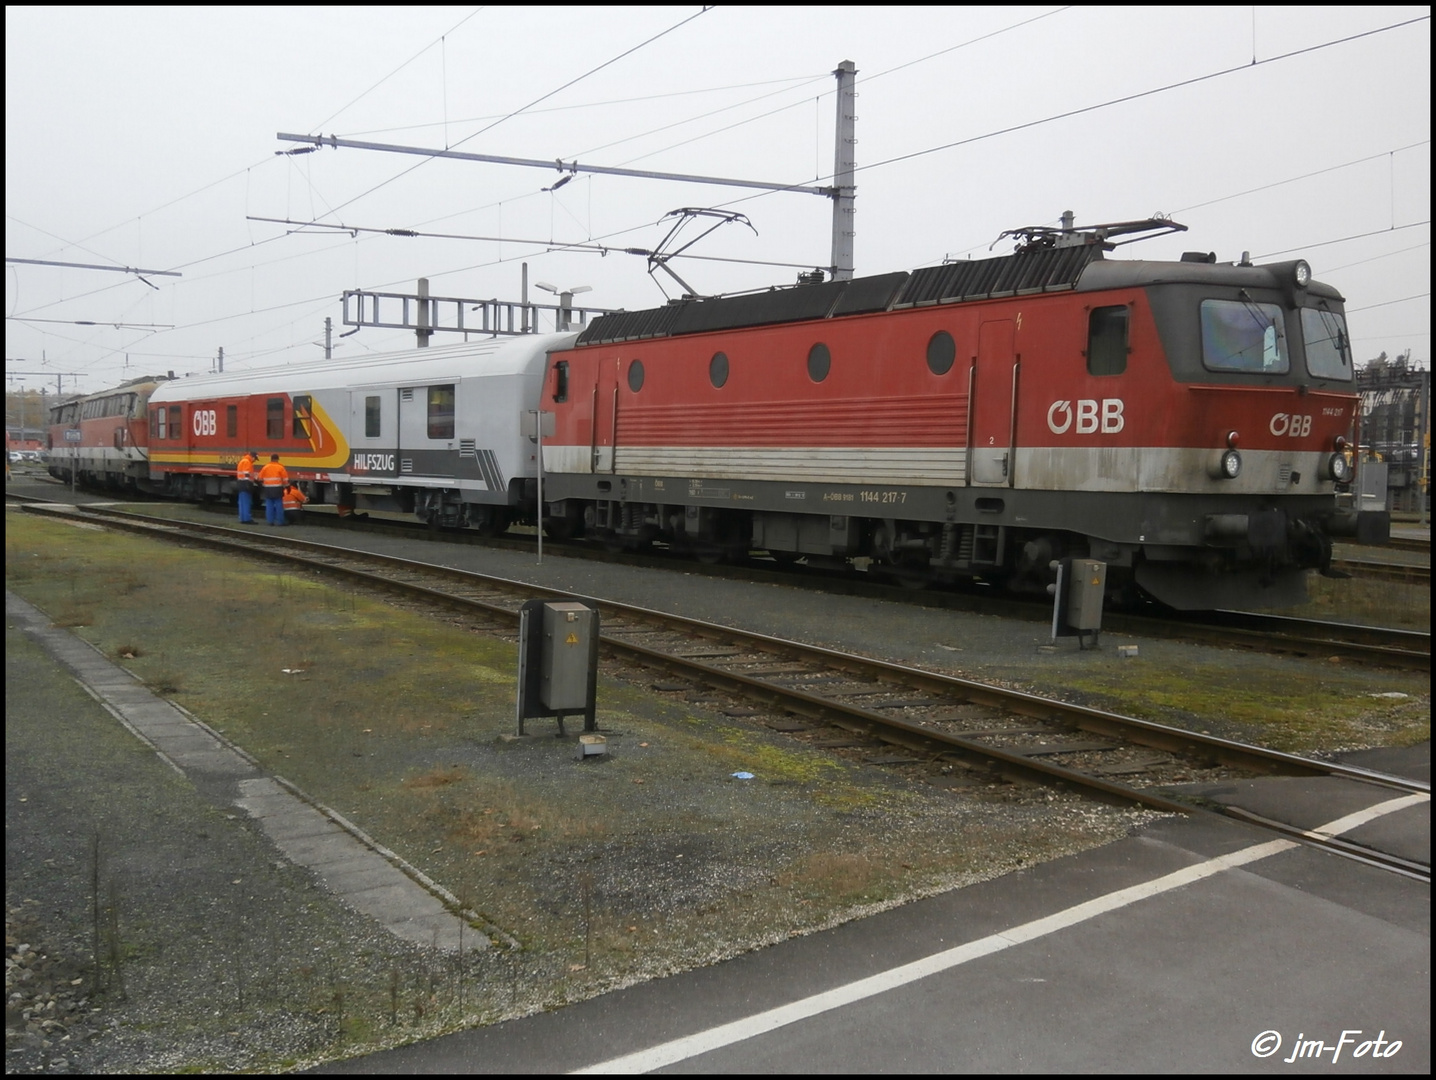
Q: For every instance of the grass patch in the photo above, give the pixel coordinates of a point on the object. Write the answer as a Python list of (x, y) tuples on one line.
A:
[(1369, 602), (1286, 709)]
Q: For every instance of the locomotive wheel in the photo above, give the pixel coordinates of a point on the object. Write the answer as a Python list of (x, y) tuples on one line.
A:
[(710, 554), (490, 521), (910, 577), (557, 528)]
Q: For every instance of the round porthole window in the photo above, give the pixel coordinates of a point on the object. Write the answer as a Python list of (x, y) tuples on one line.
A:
[(820, 362), (718, 369), (635, 376), (941, 352)]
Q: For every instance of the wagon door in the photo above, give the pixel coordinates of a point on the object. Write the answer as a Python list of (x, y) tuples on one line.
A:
[(373, 433), (605, 415), (994, 398), (427, 444)]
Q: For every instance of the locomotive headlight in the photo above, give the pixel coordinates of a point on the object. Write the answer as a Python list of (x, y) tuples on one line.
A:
[(1301, 273), (1226, 465), (1231, 465), (1339, 468)]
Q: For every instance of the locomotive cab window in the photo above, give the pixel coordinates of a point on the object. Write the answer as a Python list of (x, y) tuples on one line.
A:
[(560, 381), (157, 423), (372, 416), (1328, 349), (1242, 335), (441, 412), (301, 416), (274, 418), (174, 421), (1107, 340)]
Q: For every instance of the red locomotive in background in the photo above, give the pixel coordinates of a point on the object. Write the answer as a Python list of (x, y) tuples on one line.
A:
[(102, 440), (1187, 423)]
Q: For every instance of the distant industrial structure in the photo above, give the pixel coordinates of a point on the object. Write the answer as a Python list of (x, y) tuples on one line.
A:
[(1396, 426)]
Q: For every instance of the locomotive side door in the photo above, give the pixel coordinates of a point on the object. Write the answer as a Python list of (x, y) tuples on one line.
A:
[(994, 392), (605, 414)]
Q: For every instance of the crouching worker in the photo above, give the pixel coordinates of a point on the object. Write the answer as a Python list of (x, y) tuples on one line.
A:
[(294, 501)]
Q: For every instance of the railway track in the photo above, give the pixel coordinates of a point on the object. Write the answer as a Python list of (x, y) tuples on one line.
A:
[(1382, 570), (1277, 634), (957, 731)]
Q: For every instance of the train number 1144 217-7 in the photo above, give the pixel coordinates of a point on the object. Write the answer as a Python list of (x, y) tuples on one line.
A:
[(883, 496)]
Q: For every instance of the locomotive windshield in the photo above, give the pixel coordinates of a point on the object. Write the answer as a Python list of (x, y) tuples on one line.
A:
[(1328, 351), (1240, 335)]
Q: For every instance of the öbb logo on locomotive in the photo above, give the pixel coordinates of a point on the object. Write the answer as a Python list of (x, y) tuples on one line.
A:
[(1185, 422), (1060, 416), (1296, 426)]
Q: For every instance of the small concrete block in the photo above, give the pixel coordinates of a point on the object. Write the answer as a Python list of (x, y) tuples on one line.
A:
[(1126, 651)]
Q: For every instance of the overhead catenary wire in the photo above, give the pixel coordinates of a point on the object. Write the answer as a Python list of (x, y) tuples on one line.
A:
[(261, 308)]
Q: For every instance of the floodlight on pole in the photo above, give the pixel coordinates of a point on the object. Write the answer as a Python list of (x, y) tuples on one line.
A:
[(565, 300)]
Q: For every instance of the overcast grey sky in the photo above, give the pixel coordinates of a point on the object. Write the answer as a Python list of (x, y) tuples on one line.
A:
[(145, 137)]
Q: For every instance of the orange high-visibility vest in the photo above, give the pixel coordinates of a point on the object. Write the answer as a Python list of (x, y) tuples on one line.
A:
[(294, 498), (273, 476), (245, 471)]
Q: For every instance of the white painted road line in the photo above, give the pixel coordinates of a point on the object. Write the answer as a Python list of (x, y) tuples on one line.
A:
[(702, 1042)]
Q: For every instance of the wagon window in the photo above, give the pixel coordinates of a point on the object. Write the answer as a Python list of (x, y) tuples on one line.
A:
[(371, 417), (1328, 349), (174, 421), (441, 412), (231, 420), (1107, 341), (301, 416), (1242, 335), (274, 418)]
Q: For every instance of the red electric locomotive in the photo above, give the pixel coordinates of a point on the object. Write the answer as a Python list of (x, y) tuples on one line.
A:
[(1184, 422), (102, 440)]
